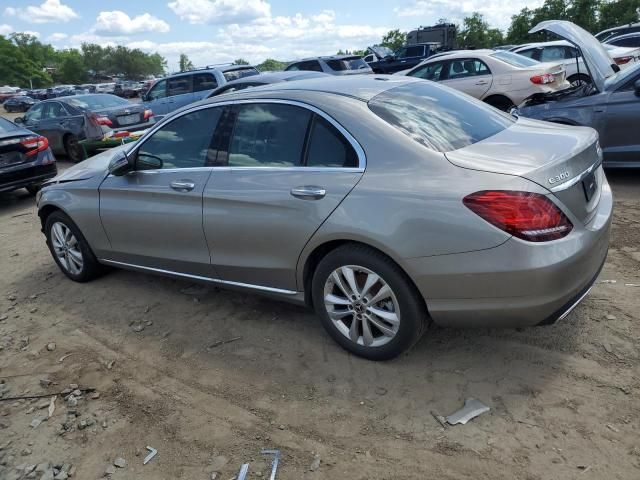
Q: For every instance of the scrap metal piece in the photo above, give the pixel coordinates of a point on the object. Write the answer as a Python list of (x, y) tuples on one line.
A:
[(274, 462), (472, 408), (148, 458), (244, 469)]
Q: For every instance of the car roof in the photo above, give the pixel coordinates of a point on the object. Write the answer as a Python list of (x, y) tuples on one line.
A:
[(327, 57), (460, 53), (623, 36), (361, 87), (554, 43), (273, 77), (620, 27)]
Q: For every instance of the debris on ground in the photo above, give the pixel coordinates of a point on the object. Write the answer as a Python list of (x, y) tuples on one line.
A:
[(153, 453), (472, 408), (120, 462), (195, 289), (223, 342), (51, 346), (315, 464)]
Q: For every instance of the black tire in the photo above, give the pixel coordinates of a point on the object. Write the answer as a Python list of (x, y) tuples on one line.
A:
[(413, 318), (33, 188), (7, 109), (501, 103), (579, 79), (90, 266), (73, 149)]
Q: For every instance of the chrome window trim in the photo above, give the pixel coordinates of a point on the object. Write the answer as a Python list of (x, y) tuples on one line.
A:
[(576, 179), (362, 159), (201, 278)]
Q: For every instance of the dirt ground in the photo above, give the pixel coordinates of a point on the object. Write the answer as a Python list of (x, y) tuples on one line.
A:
[(565, 399)]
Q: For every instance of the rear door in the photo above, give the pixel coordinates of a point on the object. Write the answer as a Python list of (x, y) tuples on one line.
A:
[(469, 75), (56, 121), (282, 171), (203, 84), (153, 215)]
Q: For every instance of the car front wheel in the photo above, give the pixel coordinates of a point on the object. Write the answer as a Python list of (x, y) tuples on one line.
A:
[(69, 248), (367, 303)]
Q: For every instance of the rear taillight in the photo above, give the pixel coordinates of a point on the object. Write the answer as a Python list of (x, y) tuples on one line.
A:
[(622, 60), (526, 215), (35, 145), (543, 79), (148, 114), (102, 120)]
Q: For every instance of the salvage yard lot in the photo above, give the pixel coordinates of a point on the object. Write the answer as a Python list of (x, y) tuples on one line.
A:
[(564, 399)]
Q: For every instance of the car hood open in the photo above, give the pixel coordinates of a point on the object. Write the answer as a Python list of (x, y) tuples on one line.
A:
[(600, 64)]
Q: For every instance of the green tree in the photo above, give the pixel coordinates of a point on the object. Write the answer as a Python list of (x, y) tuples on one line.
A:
[(618, 12), (476, 33), (271, 65), (71, 67), (240, 61), (185, 63), (17, 69), (394, 39)]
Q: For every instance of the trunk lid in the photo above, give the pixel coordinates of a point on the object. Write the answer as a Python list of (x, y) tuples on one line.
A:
[(12, 151), (598, 61), (565, 160)]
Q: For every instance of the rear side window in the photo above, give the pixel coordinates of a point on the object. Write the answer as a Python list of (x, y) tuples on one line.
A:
[(520, 59), (204, 81), (183, 143), (438, 118), (626, 42), (355, 63), (268, 135), (328, 147), (312, 65), (179, 85)]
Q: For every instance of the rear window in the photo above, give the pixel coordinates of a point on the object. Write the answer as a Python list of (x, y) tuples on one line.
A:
[(516, 59), (96, 102), (355, 63), (439, 118), (239, 73)]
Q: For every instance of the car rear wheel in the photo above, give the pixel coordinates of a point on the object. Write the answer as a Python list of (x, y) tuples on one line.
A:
[(69, 248), (579, 79), (501, 103), (73, 148), (366, 303), (33, 188)]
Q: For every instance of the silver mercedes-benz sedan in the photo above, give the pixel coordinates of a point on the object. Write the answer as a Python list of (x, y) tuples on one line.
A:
[(385, 203)]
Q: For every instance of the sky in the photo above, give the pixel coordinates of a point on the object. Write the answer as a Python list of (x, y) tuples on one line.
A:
[(219, 31)]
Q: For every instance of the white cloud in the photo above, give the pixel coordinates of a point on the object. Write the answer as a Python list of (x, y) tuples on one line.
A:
[(220, 11), (497, 12), (31, 32), (56, 37), (119, 23), (6, 29), (47, 12)]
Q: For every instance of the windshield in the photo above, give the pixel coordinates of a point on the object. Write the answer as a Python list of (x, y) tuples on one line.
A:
[(352, 63), (7, 126), (240, 73), (439, 118), (622, 76), (96, 102), (514, 59), (381, 51)]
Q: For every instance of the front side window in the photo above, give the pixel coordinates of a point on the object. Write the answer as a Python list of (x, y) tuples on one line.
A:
[(312, 65), (34, 114), (239, 73), (159, 90), (431, 71), (416, 51), (268, 135), (204, 81), (183, 143), (179, 85), (530, 53), (328, 147), (55, 110), (440, 119)]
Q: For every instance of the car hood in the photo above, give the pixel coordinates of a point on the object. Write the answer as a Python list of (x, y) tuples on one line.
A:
[(89, 168), (596, 57), (381, 51)]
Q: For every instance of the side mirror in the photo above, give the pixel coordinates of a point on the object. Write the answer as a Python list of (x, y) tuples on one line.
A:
[(18, 120), (120, 164), (149, 162), (636, 88), (143, 97)]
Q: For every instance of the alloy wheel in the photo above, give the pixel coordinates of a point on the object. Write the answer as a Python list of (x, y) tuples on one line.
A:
[(66, 248), (362, 306)]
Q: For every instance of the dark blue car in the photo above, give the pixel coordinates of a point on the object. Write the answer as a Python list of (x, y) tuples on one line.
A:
[(25, 158)]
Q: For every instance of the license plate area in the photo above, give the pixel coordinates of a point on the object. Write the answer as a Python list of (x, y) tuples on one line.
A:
[(590, 185), (129, 119)]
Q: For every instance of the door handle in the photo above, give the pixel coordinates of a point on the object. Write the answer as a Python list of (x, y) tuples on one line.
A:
[(308, 192), (182, 185), (482, 82)]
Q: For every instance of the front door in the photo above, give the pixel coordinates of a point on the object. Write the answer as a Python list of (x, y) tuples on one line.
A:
[(285, 170), (153, 215), (156, 99)]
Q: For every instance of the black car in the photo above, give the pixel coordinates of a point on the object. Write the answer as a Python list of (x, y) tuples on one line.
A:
[(264, 79), (19, 103), (403, 59), (25, 158), (66, 120), (630, 40), (610, 33)]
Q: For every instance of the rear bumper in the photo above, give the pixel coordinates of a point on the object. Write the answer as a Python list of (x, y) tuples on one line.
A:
[(517, 283), (23, 177), (137, 126)]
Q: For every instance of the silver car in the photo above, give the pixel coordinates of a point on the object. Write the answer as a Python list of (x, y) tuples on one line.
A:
[(385, 203)]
